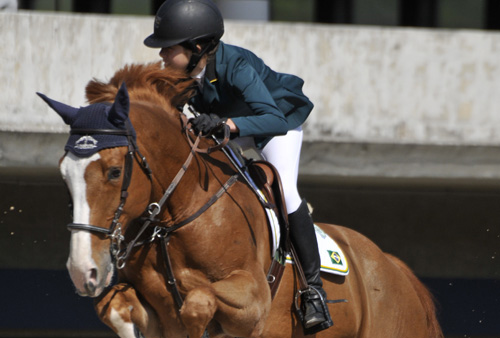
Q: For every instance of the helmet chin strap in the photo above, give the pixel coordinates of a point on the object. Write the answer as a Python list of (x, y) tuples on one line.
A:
[(196, 56)]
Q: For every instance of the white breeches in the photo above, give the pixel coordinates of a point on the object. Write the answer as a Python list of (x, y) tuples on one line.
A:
[(284, 153)]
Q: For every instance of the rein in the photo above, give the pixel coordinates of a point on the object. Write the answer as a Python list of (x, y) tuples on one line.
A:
[(114, 232), (155, 208)]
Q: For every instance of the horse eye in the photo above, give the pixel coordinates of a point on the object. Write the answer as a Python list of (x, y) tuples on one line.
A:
[(114, 173)]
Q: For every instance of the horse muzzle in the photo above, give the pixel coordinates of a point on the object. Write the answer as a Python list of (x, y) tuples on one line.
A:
[(90, 270), (91, 281)]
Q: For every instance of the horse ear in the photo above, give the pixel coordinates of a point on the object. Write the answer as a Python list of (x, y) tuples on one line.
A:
[(67, 113), (119, 111)]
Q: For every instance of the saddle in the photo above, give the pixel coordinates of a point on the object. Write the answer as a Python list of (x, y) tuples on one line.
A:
[(263, 177), (267, 179)]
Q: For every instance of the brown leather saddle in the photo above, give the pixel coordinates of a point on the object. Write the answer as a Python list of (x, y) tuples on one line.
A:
[(267, 180), (263, 176)]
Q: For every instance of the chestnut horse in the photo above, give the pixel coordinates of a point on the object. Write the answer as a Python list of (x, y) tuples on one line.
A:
[(213, 282)]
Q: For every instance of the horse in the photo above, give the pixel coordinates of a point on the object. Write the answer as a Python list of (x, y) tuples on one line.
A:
[(172, 242)]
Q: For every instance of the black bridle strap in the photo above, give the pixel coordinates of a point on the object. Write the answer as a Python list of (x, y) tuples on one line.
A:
[(87, 227), (81, 131), (170, 273), (207, 205), (158, 206), (127, 176)]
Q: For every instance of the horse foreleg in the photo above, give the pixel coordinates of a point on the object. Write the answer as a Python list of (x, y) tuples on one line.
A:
[(198, 310), (126, 314), (240, 303)]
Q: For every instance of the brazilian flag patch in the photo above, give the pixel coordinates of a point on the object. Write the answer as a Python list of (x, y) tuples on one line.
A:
[(335, 257)]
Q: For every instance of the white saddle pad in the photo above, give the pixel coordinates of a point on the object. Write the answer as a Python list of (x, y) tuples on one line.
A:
[(332, 258)]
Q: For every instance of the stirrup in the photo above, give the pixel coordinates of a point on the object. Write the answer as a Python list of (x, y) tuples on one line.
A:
[(321, 326)]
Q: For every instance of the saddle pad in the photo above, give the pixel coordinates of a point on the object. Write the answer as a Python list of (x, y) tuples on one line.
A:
[(274, 228), (332, 258)]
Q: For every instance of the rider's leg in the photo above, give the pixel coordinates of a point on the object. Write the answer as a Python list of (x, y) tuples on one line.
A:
[(284, 153), (303, 237)]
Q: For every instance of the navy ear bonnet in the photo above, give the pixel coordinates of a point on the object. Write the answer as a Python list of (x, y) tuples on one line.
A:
[(85, 122)]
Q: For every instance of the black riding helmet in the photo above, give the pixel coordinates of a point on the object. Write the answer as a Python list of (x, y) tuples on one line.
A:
[(187, 23)]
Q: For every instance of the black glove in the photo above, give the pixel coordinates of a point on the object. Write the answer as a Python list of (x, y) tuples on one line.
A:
[(208, 124)]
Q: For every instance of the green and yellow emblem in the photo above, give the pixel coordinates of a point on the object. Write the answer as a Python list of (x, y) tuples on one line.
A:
[(335, 257)]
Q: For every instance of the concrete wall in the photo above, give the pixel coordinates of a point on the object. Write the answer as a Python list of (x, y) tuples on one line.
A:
[(381, 94), (369, 84)]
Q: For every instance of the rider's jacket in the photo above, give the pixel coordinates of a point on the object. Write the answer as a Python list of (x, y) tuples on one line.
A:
[(261, 102)]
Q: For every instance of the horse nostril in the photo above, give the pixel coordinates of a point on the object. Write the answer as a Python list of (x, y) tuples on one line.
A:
[(93, 275), (91, 284), (90, 287)]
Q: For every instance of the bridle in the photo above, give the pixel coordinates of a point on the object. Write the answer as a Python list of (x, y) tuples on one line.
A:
[(114, 231)]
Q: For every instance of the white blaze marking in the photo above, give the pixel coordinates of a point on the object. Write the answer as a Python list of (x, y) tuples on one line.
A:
[(80, 257)]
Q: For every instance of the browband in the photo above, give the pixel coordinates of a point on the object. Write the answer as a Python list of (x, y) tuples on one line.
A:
[(100, 132)]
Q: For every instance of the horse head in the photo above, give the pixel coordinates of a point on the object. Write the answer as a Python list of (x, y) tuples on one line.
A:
[(97, 168)]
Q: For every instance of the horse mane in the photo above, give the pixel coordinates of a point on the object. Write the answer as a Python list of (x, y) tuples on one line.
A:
[(145, 82)]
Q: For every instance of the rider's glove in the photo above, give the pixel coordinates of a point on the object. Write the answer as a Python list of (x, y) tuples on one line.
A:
[(208, 124)]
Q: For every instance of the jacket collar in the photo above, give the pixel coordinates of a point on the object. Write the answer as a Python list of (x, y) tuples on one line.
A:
[(210, 83)]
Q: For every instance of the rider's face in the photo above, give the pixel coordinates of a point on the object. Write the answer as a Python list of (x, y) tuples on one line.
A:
[(176, 56)]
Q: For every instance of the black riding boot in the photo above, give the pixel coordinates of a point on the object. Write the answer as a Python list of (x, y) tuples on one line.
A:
[(303, 237)]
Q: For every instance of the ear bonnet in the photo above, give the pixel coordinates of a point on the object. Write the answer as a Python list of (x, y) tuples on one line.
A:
[(97, 126)]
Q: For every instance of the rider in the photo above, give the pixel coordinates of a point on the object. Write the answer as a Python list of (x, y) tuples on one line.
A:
[(264, 110)]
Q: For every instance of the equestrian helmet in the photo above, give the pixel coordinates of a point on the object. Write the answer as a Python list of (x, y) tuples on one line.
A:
[(186, 21)]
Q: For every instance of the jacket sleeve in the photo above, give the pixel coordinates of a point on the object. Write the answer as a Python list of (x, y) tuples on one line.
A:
[(265, 118)]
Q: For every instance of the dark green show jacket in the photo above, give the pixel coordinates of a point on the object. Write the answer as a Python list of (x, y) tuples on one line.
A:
[(260, 101)]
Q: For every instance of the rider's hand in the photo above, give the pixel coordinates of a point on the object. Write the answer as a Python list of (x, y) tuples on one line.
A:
[(208, 124)]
